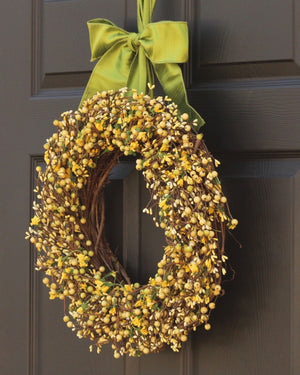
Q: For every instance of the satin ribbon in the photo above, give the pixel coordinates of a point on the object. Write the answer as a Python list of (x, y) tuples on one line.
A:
[(129, 59)]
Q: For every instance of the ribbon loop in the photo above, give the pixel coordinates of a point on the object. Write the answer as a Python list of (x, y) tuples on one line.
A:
[(133, 42)]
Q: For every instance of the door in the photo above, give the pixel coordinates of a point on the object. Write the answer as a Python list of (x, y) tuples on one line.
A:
[(243, 77)]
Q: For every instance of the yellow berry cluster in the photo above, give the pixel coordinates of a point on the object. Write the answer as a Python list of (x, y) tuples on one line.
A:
[(186, 201)]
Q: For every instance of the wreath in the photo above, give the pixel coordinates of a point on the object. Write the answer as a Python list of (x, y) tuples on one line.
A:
[(187, 202)]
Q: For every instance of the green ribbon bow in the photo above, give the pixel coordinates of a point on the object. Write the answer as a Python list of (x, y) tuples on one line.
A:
[(129, 59)]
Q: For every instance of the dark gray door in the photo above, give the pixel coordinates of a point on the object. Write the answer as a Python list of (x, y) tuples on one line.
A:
[(244, 78)]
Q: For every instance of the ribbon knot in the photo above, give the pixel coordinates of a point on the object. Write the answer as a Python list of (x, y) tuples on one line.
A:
[(133, 41)]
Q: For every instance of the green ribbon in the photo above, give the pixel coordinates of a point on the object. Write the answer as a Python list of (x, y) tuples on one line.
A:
[(129, 59)]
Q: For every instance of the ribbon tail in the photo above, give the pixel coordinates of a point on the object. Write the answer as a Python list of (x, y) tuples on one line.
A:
[(111, 72), (171, 80), (141, 72)]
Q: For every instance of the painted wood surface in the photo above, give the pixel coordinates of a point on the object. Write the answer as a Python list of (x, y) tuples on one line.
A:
[(243, 77)]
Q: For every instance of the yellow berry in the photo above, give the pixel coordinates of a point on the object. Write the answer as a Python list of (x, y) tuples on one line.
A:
[(234, 222)]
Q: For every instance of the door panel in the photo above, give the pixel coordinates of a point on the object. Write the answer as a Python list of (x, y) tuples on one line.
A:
[(65, 33), (248, 31), (236, 39), (251, 327), (243, 77)]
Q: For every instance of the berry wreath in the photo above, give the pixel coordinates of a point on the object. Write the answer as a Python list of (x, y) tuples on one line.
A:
[(186, 201)]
